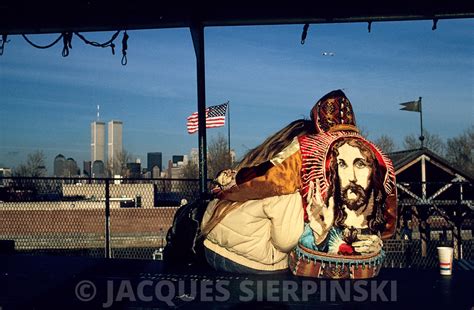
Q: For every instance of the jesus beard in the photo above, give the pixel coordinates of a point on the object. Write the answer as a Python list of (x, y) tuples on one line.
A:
[(359, 201)]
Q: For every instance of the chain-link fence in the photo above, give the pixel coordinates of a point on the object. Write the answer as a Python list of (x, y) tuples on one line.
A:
[(432, 214), (122, 218), (129, 218), (415, 246), (409, 253)]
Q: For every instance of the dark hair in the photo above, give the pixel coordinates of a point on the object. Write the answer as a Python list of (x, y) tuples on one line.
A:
[(276, 143)]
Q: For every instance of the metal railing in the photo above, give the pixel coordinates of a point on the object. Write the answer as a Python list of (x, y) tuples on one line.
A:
[(129, 218), (123, 218)]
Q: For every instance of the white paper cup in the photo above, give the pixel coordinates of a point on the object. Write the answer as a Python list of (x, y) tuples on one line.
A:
[(445, 255)]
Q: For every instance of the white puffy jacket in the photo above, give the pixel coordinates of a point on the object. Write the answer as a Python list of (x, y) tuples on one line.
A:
[(259, 233)]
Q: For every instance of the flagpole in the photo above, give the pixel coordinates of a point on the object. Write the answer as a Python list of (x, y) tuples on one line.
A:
[(421, 123), (415, 106), (228, 124)]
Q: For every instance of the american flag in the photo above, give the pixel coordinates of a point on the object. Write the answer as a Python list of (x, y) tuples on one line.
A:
[(215, 117)]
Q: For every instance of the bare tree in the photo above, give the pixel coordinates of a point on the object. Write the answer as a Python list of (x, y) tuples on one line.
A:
[(460, 151), (385, 143), (119, 165), (33, 167), (191, 170), (363, 132), (218, 158), (432, 141)]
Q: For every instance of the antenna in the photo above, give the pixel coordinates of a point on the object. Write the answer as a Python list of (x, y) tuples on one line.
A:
[(98, 112)]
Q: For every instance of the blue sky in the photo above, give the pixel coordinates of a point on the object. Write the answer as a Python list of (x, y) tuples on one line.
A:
[(47, 102)]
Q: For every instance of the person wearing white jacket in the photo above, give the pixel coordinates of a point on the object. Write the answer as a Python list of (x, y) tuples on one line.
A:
[(260, 217), (257, 236)]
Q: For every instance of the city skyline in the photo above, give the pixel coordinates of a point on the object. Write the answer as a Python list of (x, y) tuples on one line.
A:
[(268, 77)]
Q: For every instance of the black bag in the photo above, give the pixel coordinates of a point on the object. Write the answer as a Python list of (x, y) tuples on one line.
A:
[(184, 247)]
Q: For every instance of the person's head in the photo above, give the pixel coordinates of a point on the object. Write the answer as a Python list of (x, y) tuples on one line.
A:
[(354, 175), (333, 112)]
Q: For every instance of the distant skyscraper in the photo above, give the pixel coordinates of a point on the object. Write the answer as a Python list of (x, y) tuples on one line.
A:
[(154, 159), (194, 156), (97, 141), (71, 168), (59, 165), (155, 172), (87, 168), (115, 148), (98, 169), (134, 170), (178, 160), (176, 165)]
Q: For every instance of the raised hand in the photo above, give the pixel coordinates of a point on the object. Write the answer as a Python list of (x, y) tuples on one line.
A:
[(321, 217), (368, 244), (224, 180)]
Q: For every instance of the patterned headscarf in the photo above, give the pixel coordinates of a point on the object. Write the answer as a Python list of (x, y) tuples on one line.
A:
[(333, 112)]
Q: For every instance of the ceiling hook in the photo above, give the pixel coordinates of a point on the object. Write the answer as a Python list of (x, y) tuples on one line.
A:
[(305, 33)]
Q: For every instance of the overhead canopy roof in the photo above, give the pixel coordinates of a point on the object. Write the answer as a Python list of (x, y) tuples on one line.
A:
[(26, 16), (401, 159), (59, 16)]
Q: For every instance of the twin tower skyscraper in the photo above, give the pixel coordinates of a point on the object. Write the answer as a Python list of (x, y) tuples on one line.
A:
[(114, 143)]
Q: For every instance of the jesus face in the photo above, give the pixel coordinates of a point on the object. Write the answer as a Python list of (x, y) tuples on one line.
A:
[(354, 174)]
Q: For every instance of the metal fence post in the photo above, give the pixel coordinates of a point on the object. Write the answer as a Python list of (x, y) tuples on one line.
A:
[(460, 221), (107, 218)]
